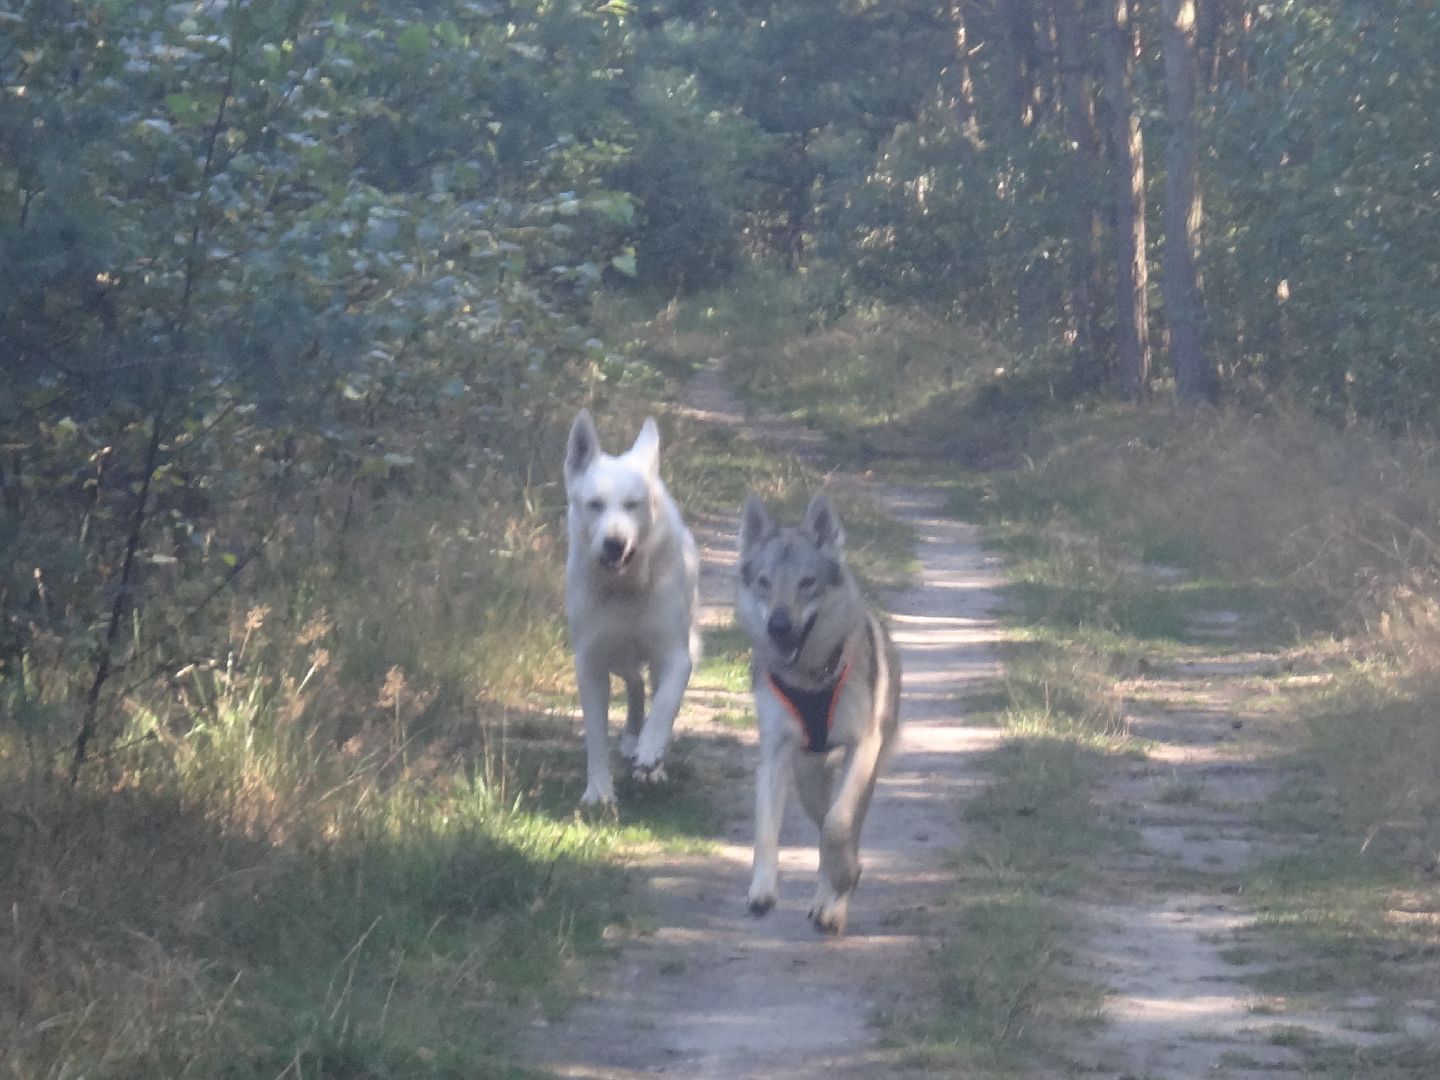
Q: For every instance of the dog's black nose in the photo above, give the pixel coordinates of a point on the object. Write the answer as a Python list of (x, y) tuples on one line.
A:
[(779, 625), (611, 549)]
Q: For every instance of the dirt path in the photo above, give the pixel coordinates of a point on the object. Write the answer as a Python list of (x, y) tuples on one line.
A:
[(1171, 937), (713, 992), (1158, 942)]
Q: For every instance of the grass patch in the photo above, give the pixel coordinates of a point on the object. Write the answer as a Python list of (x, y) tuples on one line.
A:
[(1181, 793), (1036, 822), (1375, 749), (1361, 922), (725, 664), (896, 382), (1000, 982), (1076, 583), (1409, 1059), (369, 927), (1004, 995)]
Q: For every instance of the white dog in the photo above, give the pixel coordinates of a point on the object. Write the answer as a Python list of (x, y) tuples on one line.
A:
[(631, 583)]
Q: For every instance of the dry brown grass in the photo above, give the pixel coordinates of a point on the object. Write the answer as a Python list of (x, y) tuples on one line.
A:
[(1337, 531), (1346, 521)]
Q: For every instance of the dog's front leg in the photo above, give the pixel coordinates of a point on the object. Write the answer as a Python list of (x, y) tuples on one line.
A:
[(594, 683), (840, 838), (671, 676), (772, 777), (634, 714)]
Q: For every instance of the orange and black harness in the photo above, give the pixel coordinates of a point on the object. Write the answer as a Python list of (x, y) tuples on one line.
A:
[(813, 710)]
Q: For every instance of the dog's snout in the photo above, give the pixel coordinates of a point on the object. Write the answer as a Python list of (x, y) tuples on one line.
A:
[(779, 625), (612, 550)]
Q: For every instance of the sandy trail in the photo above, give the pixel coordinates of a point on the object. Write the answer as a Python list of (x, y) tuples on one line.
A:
[(1161, 935), (714, 992)]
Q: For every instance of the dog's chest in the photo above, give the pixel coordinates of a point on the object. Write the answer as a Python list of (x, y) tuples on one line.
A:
[(818, 720), (622, 627)]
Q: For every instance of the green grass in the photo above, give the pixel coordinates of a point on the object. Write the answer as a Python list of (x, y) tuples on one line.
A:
[(1003, 997), (725, 664), (1181, 793), (1344, 912), (1000, 985), (380, 930), (247, 897), (888, 382)]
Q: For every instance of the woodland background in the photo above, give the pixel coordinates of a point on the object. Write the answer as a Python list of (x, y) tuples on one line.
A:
[(296, 300)]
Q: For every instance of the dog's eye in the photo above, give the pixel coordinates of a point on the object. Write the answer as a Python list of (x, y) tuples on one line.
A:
[(807, 583), (595, 505), (631, 504), (763, 581)]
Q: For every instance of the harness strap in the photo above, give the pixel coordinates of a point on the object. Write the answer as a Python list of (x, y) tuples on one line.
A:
[(813, 710)]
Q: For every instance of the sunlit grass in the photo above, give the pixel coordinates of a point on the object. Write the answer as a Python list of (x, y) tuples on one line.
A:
[(260, 903), (1003, 995), (725, 665)]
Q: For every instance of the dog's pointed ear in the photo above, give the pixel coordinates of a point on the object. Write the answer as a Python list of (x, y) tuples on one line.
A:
[(823, 524), (647, 445), (583, 446), (756, 524)]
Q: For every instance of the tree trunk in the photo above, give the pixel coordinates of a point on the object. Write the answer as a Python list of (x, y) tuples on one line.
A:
[(1132, 345), (1019, 29), (1020, 53), (1209, 34), (1088, 367), (1194, 372), (797, 206), (962, 80)]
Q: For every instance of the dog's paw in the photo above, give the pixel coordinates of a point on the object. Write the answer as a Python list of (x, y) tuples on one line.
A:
[(760, 903), (650, 774), (628, 745), (828, 912), (829, 920), (598, 797)]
